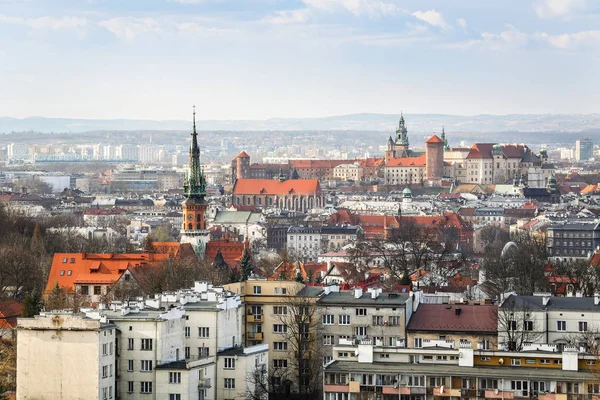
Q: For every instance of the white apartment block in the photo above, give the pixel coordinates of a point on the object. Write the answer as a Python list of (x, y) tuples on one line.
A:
[(65, 356), (239, 369), (17, 151)]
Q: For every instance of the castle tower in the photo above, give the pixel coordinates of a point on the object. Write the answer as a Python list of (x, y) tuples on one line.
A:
[(242, 166), (401, 135), (434, 160), (194, 206), (389, 150), (443, 137)]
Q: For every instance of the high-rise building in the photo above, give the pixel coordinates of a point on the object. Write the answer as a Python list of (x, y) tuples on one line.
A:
[(584, 149)]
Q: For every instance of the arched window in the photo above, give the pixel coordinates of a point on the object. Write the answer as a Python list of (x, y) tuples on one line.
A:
[(198, 226), (199, 218), (190, 226)]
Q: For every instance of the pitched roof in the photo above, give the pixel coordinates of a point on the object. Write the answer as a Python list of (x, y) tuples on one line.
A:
[(407, 161), (243, 154), (434, 139), (231, 251), (272, 186), (447, 318), (70, 268), (9, 311)]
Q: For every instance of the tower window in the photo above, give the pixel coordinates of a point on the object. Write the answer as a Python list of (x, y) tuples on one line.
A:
[(190, 227)]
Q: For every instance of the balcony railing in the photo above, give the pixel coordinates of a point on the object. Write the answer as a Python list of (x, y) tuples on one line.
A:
[(254, 318), (255, 335), (204, 383)]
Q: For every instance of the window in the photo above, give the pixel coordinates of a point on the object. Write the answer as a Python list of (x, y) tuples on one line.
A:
[(361, 311), (328, 319), (84, 290), (418, 342), (416, 380), (257, 290), (532, 361), (394, 321), (146, 387), (327, 339), (105, 371), (130, 387), (187, 352), (280, 310), (129, 365), (146, 366), (280, 363), (360, 331), (187, 331), (105, 349), (174, 377), (484, 359), (528, 325), (280, 346), (229, 383), (377, 320), (442, 358), (62, 272), (327, 360), (590, 362), (594, 388), (515, 361), (174, 396), (203, 332), (583, 326), (146, 344), (343, 354), (97, 290), (130, 344), (561, 325), (344, 320), (279, 328), (229, 363), (203, 352), (512, 325)]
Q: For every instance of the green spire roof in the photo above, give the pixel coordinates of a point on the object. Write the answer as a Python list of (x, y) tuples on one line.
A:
[(194, 185)]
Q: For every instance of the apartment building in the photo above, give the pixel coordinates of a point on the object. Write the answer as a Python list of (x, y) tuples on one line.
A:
[(368, 371), (453, 324), (354, 315), (241, 371), (62, 356), (308, 242), (545, 319), (572, 240)]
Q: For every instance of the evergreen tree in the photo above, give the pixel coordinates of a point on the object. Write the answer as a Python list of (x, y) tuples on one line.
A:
[(32, 304), (299, 277), (246, 265), (295, 174), (234, 275)]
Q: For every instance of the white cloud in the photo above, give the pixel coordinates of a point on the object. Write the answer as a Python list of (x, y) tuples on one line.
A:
[(511, 37), (196, 28), (462, 23), (570, 40), (432, 17), (289, 16), (129, 27), (53, 23), (371, 8), (557, 8)]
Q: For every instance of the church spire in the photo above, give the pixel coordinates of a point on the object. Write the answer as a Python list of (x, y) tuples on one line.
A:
[(446, 147), (402, 133), (195, 183)]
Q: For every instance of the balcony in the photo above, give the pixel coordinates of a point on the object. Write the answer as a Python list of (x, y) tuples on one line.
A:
[(255, 335), (499, 394), (204, 383), (468, 392), (418, 390), (336, 388), (443, 391), (254, 318), (551, 396), (354, 387)]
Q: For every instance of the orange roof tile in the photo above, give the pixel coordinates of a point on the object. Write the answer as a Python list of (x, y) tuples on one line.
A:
[(272, 186), (434, 139), (407, 161), (9, 311)]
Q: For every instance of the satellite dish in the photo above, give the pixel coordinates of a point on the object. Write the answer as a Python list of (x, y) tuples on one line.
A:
[(495, 391), (501, 360), (442, 389)]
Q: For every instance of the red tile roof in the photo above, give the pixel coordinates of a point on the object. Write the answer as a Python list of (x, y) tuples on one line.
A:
[(319, 164), (230, 250), (9, 311), (70, 268), (272, 186), (434, 139), (444, 318), (407, 161), (243, 154)]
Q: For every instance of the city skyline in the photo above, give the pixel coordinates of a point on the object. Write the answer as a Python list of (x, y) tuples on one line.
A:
[(308, 58)]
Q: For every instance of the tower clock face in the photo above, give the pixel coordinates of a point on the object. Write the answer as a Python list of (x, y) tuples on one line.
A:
[(190, 217)]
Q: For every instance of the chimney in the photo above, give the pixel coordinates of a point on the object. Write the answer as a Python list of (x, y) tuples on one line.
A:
[(358, 293), (545, 299), (596, 299)]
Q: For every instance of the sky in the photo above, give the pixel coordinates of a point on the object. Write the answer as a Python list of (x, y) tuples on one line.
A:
[(259, 59)]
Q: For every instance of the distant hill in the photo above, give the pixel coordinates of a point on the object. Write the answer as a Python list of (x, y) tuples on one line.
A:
[(417, 123)]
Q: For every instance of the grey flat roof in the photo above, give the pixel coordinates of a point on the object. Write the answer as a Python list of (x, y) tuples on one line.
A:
[(348, 298), (508, 372), (556, 303)]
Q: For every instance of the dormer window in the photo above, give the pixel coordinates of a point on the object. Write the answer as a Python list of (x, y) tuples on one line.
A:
[(62, 272), (65, 260), (72, 261), (69, 272)]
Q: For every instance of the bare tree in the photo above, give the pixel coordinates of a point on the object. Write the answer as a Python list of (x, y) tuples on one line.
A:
[(516, 327)]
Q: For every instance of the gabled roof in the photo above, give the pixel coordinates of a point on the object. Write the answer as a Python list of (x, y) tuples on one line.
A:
[(447, 318), (9, 311), (407, 161), (70, 268), (272, 186)]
